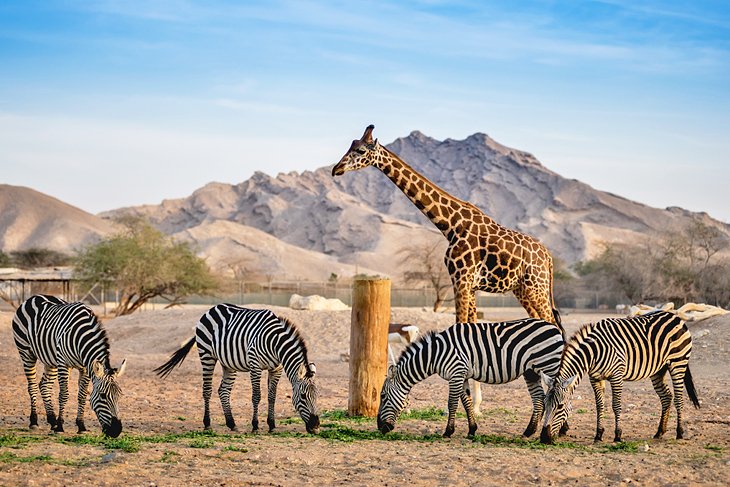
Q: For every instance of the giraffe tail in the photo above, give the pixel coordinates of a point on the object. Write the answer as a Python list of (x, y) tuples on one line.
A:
[(558, 321)]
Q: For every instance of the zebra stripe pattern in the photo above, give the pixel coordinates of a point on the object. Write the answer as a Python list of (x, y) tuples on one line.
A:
[(618, 350), (494, 353), (249, 340), (63, 336)]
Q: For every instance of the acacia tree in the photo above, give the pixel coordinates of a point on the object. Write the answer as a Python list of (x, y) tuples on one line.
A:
[(682, 266), (425, 262), (143, 263)]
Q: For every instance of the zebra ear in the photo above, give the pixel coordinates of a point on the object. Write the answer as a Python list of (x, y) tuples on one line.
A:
[(549, 381), (568, 382), (302, 372), (97, 368), (312, 369), (391, 371), (121, 368)]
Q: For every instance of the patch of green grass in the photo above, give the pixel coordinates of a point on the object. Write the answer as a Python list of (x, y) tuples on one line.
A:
[(202, 443), (8, 457), (581, 411), (181, 418), (431, 413), (11, 440), (716, 448), (169, 456), (342, 415), (622, 446), (235, 448)]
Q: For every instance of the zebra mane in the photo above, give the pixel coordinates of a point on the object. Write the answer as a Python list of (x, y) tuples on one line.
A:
[(291, 327), (418, 344), (104, 339), (579, 337)]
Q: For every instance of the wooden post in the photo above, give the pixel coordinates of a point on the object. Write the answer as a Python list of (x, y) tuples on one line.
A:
[(368, 344)]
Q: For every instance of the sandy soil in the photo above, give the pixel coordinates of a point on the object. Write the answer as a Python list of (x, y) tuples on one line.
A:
[(152, 407)]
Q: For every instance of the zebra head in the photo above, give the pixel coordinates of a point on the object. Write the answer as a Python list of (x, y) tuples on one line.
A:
[(393, 398), (304, 397), (558, 406), (105, 395)]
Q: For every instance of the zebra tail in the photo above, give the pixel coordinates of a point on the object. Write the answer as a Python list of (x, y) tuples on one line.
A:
[(176, 359), (691, 391)]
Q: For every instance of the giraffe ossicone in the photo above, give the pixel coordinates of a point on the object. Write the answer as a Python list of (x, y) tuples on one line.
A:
[(481, 255)]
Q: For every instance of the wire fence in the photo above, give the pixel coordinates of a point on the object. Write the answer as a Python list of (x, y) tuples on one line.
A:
[(278, 293)]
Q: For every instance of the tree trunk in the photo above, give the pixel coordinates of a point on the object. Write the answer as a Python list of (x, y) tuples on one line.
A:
[(368, 344)]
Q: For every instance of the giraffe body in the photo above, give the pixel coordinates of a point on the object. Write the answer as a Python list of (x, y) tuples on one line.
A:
[(481, 255)]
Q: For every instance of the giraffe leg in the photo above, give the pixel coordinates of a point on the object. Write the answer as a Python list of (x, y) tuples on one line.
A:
[(461, 300), (525, 300), (274, 376)]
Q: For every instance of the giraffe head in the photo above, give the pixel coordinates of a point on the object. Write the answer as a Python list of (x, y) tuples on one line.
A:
[(359, 155)]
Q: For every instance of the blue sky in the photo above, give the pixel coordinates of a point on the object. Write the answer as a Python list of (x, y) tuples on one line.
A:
[(114, 103)]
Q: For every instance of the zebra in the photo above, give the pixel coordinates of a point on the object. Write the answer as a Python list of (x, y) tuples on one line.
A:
[(61, 336), (618, 350), (495, 353), (251, 340)]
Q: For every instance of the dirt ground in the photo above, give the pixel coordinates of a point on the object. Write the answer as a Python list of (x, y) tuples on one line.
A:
[(161, 417)]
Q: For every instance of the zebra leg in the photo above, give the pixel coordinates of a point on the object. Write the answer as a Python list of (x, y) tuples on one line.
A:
[(665, 396), (224, 393), (83, 394), (534, 387), (30, 376), (476, 393), (599, 391), (456, 389), (255, 398), (208, 364), (49, 376), (469, 408), (62, 396), (677, 373), (617, 385), (274, 376)]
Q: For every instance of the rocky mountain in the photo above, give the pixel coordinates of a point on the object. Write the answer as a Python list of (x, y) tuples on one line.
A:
[(30, 219), (362, 218)]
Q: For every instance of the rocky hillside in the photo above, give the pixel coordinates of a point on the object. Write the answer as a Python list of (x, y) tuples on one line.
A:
[(31, 219), (362, 218)]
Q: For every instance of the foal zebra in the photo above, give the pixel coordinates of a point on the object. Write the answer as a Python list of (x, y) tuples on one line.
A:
[(250, 340), (621, 350), (495, 353), (67, 335)]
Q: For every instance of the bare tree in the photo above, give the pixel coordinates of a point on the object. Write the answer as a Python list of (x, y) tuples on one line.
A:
[(425, 262)]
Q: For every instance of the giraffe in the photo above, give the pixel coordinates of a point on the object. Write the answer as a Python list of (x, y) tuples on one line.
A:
[(481, 255)]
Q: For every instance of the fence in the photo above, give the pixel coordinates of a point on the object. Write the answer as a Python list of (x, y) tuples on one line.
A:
[(278, 293)]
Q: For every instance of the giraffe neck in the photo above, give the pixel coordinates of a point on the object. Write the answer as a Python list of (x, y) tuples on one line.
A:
[(440, 207)]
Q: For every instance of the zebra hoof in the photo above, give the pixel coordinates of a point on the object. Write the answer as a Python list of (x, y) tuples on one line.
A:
[(207, 428), (33, 427)]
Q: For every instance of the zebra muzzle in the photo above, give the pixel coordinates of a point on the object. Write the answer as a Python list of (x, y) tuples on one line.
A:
[(114, 429)]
